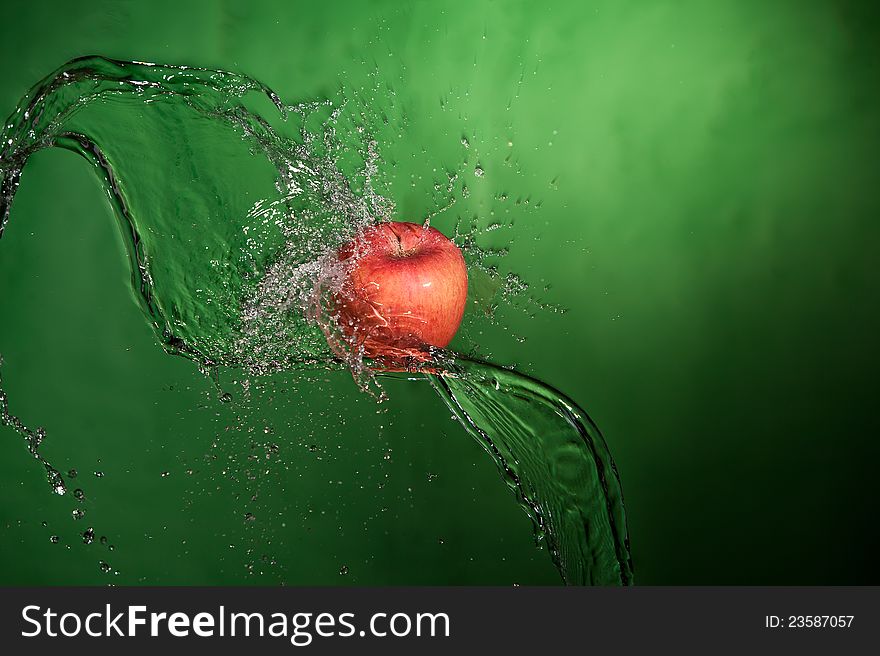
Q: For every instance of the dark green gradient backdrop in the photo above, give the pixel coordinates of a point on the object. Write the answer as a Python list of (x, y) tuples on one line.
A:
[(707, 175)]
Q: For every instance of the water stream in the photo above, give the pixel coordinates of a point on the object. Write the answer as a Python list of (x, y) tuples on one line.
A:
[(230, 201)]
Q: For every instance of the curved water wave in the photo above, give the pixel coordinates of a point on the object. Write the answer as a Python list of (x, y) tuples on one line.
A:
[(229, 202)]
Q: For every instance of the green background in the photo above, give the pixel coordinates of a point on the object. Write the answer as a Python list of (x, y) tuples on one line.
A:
[(701, 179)]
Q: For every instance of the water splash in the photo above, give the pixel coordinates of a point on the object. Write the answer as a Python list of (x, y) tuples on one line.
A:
[(33, 437), (556, 462), (232, 205)]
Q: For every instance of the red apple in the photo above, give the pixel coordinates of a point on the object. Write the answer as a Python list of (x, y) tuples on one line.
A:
[(403, 289)]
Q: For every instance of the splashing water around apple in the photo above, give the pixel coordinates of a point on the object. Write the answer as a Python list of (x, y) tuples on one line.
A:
[(297, 266), (399, 291)]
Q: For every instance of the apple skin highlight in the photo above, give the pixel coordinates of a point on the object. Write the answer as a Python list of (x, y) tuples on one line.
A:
[(404, 290)]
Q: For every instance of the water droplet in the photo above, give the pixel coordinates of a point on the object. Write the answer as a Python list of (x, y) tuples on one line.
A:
[(72, 473), (99, 474), (79, 495), (478, 172), (343, 570), (78, 513), (89, 535), (37, 438), (56, 481), (104, 567), (53, 539), (165, 474)]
